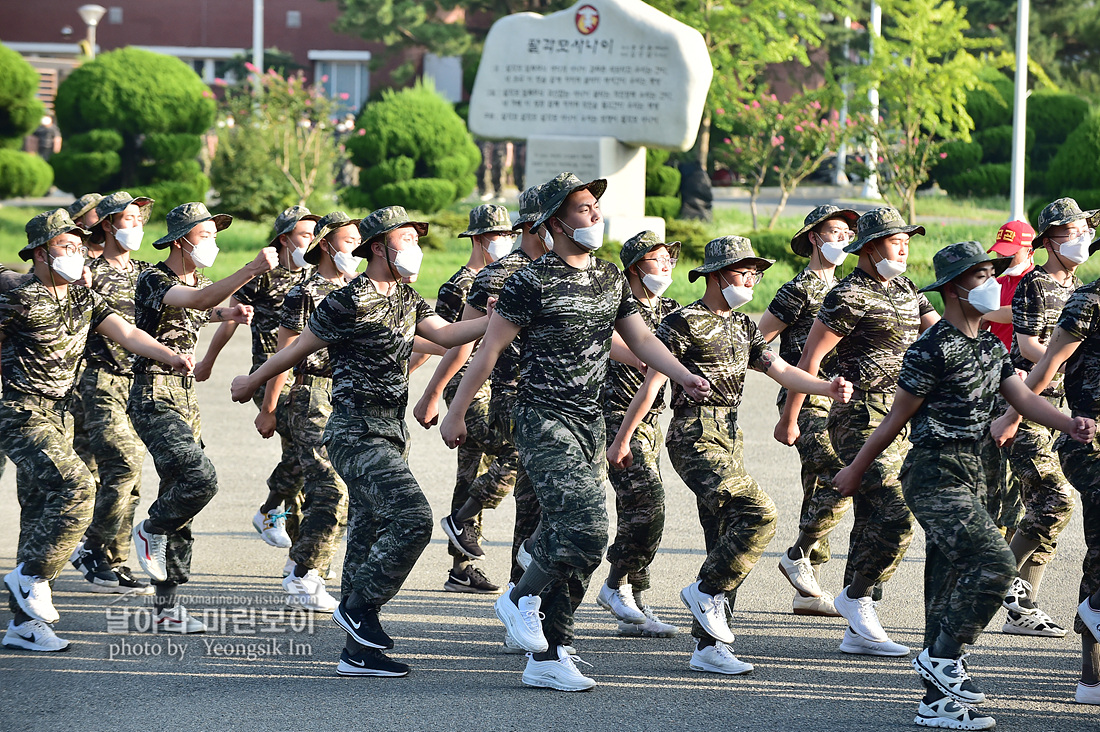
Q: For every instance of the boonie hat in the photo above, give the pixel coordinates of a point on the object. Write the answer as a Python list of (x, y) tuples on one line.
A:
[(955, 259), (722, 252)]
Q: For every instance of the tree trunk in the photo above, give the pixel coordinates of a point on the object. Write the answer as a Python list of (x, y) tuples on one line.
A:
[(752, 205), (703, 143), (778, 209)]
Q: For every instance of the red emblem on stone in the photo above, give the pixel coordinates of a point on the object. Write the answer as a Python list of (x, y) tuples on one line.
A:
[(588, 19)]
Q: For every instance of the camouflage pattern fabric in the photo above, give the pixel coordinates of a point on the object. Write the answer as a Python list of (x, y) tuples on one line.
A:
[(707, 451), (373, 335), (563, 457), (165, 413), (639, 502), (298, 306), (1081, 464), (623, 381), (1046, 494), (117, 288), (55, 489), (1035, 309), (325, 496), (719, 349), (389, 520), (119, 454), (285, 480), (266, 294), (883, 527), (1080, 318), (877, 322), (796, 305), (449, 304), (488, 283), (44, 340), (959, 379), (82, 442), (177, 328), (528, 512), (968, 566)]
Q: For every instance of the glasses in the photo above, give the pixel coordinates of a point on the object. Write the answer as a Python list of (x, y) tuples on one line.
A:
[(663, 260), (72, 249), (748, 276)]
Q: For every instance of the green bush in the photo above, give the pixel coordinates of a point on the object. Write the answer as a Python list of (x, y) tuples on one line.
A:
[(1075, 164), (662, 181), (417, 124), (1054, 115), (776, 244), (692, 235), (169, 148), (356, 198), (23, 174), (987, 179), (20, 110), (248, 186), (958, 156), (84, 172), (1086, 199), (94, 141), (996, 143), (169, 193), (991, 109), (667, 207)]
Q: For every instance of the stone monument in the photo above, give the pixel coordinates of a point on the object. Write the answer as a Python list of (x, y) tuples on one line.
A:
[(589, 87)]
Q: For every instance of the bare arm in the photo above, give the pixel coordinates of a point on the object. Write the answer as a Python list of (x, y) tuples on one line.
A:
[(1034, 407), (437, 330), (770, 326), (621, 352), (618, 454), (182, 296), (422, 350), (928, 320), (795, 379), (218, 341), (655, 355), (1057, 351), (1002, 315), (498, 336), (265, 420), (243, 387), (819, 342), (848, 480), (135, 340)]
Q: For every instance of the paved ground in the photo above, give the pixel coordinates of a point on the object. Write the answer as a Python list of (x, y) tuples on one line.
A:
[(460, 679)]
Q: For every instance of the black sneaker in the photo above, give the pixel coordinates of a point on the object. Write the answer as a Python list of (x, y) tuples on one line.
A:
[(93, 564), (369, 662), (362, 625), (463, 537), (128, 584), (471, 580)]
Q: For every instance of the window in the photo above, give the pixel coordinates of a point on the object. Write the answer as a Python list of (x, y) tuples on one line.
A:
[(348, 83), (294, 19), (114, 15)]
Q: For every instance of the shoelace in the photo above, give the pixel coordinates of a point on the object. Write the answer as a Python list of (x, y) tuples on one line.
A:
[(574, 659), (724, 651), (274, 517), (531, 618), (867, 609), (960, 669)]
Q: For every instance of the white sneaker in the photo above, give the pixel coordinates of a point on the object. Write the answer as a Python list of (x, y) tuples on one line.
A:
[(1090, 617), (949, 714), (1036, 622), (949, 675), (523, 557), (709, 610), (857, 645), (33, 635), (561, 674), (718, 659), (33, 594), (653, 627), (861, 616), (800, 573), (1020, 590), (511, 647), (177, 620), (289, 567), (151, 550), (271, 527), (1086, 693), (309, 593), (817, 606), (523, 623), (620, 602)]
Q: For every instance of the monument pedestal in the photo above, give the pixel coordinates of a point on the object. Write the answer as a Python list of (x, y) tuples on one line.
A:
[(623, 205)]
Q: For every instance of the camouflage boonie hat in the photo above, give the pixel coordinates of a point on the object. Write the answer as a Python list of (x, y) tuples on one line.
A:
[(1061, 212), (117, 203), (724, 251), (552, 193), (187, 216), (954, 260), (383, 221), (530, 205), (83, 205), (288, 219), (325, 226), (879, 224), (642, 244), (488, 218), (46, 226), (800, 243)]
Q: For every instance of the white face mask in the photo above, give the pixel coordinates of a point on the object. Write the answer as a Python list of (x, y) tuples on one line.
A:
[(590, 237), (736, 295), (888, 269), (69, 266), (407, 261), (985, 298), (833, 251), (1076, 250), (656, 283), (499, 247), (129, 239), (1017, 270), (298, 256), (204, 253), (547, 239), (348, 264)]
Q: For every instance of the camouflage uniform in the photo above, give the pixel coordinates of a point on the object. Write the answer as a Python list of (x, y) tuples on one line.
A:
[(877, 322), (706, 446), (104, 391), (1046, 494), (796, 305), (1080, 319), (309, 406), (567, 317)]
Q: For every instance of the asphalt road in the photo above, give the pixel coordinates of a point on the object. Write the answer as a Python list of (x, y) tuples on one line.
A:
[(460, 680)]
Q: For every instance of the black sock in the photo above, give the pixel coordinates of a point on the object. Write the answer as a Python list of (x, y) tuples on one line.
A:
[(931, 693), (355, 601), (615, 578), (708, 589), (945, 647), (301, 570), (860, 587), (533, 582), (550, 654), (20, 617), (165, 595), (705, 641), (1090, 659)]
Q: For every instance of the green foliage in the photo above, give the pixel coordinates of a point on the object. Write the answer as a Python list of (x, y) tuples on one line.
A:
[(667, 207), (166, 148), (996, 143), (20, 110), (414, 150), (776, 244), (956, 157), (1054, 116), (662, 180), (987, 179), (281, 62), (23, 174), (1086, 199), (94, 141), (85, 172), (249, 186), (692, 235), (1075, 164), (170, 193)]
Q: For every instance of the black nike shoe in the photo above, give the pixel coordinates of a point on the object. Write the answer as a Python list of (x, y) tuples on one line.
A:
[(93, 564), (472, 580), (362, 624), (369, 662), (462, 536)]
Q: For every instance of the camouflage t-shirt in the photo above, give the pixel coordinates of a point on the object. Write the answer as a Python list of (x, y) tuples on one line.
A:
[(717, 348), (451, 299), (1035, 309), (44, 340), (959, 379), (796, 305), (177, 328), (117, 288), (877, 321), (266, 294), (567, 316), (370, 340), (488, 283), (624, 381), (1081, 319), (298, 306)]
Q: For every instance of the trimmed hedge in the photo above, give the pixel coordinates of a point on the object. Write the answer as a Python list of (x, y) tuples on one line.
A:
[(667, 207), (958, 156), (23, 174), (20, 110), (996, 143), (1075, 165), (987, 179)]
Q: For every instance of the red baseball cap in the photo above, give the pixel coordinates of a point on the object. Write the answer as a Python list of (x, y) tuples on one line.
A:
[(1012, 237)]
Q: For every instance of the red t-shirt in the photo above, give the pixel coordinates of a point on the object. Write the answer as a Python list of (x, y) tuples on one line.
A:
[(1008, 289)]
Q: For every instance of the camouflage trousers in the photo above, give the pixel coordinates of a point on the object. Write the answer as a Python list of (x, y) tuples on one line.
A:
[(56, 491), (285, 480), (324, 497), (968, 566), (639, 502), (1081, 464), (707, 451), (119, 454), (1007, 507), (82, 438), (564, 459), (1046, 494), (528, 513), (389, 520), (883, 526), (822, 507), (487, 461), (165, 413)]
